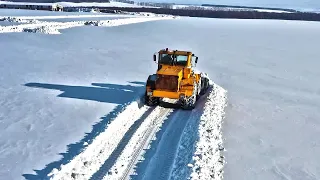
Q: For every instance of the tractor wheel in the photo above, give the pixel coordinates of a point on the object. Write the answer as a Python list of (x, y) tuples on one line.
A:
[(199, 87), (151, 101), (205, 85), (189, 103)]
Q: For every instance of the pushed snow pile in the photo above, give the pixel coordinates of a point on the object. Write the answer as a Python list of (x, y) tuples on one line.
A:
[(84, 165), (18, 20), (42, 29), (208, 160), (53, 27), (118, 22), (97, 4), (92, 23), (65, 16)]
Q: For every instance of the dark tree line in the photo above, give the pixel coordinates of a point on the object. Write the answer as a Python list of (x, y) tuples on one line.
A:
[(251, 7), (305, 16), (54, 1)]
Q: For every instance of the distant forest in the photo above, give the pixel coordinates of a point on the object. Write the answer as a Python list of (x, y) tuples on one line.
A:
[(304, 16), (250, 7), (53, 1)]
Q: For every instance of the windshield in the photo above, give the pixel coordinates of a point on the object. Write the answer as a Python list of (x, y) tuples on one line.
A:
[(177, 60)]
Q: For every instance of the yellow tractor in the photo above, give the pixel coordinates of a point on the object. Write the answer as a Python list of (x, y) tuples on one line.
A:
[(176, 79)]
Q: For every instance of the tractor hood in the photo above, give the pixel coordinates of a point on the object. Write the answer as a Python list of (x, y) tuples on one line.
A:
[(171, 70)]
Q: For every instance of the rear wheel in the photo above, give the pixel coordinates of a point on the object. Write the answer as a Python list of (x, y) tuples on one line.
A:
[(151, 101), (204, 85), (199, 88), (151, 83)]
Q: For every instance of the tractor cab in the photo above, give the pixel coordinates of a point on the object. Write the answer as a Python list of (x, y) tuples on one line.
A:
[(175, 58)]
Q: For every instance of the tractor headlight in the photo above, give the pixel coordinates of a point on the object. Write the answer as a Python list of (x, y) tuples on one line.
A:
[(181, 96), (149, 93)]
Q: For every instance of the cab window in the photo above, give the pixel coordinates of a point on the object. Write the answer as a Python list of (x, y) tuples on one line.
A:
[(181, 60)]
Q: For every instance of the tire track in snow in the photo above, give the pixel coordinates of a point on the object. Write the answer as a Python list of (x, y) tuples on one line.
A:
[(165, 151), (147, 138), (84, 165), (180, 169), (181, 139), (129, 157)]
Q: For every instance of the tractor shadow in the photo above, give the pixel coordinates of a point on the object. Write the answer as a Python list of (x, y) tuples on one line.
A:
[(170, 105), (122, 95)]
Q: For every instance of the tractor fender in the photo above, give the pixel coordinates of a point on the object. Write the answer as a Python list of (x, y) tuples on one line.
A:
[(151, 82)]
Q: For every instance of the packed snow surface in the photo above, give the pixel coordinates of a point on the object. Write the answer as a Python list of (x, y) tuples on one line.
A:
[(59, 96), (171, 152), (140, 139)]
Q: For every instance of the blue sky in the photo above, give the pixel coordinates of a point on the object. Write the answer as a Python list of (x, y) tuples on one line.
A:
[(312, 4)]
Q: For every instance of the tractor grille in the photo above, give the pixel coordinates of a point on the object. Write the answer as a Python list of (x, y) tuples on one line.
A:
[(168, 83)]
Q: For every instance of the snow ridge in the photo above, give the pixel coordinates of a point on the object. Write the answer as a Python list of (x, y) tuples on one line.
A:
[(142, 137), (208, 160), (18, 20), (53, 27), (22, 18), (84, 165)]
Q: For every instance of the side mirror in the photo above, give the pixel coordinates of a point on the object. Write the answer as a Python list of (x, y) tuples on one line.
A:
[(155, 58), (196, 60)]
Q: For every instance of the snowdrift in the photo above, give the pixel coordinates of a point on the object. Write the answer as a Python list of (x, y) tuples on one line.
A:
[(36, 26), (208, 160)]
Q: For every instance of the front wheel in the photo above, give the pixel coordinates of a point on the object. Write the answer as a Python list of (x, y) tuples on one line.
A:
[(189, 103)]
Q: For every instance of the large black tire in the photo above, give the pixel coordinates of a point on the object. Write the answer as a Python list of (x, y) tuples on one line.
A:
[(151, 101), (189, 103), (199, 88), (204, 85)]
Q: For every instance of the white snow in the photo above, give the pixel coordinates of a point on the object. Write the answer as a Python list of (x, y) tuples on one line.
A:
[(53, 114), (111, 4), (17, 20), (208, 159), (53, 27), (84, 165), (119, 22), (22, 18), (154, 120), (25, 3), (270, 10)]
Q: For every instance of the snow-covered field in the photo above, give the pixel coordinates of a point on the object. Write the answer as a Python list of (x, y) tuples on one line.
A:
[(70, 107)]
